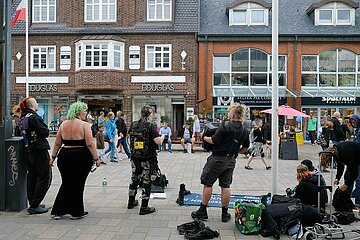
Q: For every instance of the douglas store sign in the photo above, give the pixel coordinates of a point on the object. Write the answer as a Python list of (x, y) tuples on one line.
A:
[(330, 101), (157, 87), (43, 88)]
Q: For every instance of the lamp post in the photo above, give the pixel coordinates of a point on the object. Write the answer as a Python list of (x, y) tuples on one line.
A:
[(275, 103), (5, 70)]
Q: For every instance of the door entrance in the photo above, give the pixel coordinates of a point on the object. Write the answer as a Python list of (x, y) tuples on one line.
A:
[(94, 105), (178, 110)]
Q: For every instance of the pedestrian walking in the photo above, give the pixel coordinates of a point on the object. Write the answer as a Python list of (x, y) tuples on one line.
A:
[(258, 142), (122, 133), (100, 143), (110, 135), (37, 156)]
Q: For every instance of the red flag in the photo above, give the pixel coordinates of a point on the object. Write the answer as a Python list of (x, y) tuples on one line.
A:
[(20, 13)]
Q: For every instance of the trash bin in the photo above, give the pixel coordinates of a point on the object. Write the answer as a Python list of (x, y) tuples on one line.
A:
[(15, 175)]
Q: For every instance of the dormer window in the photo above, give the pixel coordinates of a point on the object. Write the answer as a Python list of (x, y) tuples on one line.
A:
[(248, 13), (159, 10), (341, 12)]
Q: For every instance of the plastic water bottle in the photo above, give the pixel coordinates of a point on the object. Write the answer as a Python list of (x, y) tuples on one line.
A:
[(268, 199), (104, 182)]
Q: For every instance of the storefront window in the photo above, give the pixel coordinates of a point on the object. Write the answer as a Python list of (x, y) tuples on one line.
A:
[(346, 80), (220, 114), (327, 61), (52, 110), (240, 61), (162, 107), (335, 67), (247, 67), (327, 80), (346, 113), (221, 79)]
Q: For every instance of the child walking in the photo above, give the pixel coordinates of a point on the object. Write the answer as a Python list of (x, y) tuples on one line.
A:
[(100, 143), (258, 143)]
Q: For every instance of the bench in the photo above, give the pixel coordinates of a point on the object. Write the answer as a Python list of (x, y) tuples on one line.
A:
[(178, 141)]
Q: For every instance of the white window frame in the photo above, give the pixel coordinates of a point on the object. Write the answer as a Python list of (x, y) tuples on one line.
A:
[(156, 4), (81, 54), (268, 71), (336, 73), (338, 22), (154, 68), (47, 69), (249, 8), (40, 7), (332, 17), (335, 7), (101, 7)]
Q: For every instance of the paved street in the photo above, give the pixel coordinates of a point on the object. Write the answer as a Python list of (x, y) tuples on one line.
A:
[(110, 219)]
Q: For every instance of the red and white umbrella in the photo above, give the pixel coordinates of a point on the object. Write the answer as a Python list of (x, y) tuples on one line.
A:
[(287, 111)]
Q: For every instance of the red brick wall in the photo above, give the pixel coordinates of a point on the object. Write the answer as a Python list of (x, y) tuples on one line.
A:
[(285, 48)]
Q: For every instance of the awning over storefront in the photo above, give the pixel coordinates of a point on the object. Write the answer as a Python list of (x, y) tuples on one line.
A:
[(329, 92), (250, 92)]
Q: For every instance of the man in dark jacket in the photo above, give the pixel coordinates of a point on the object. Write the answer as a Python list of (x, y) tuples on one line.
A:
[(122, 132), (37, 156), (346, 153), (229, 140), (337, 135), (355, 123)]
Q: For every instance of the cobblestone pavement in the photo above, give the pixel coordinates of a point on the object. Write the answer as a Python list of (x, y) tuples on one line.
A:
[(109, 217)]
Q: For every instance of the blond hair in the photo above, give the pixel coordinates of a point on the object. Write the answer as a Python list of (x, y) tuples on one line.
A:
[(240, 110)]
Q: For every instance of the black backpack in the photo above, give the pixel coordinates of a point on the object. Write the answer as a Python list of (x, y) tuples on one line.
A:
[(344, 218), (139, 139), (28, 137), (342, 202), (283, 213)]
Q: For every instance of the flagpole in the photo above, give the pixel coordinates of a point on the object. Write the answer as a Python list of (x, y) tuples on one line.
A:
[(26, 49)]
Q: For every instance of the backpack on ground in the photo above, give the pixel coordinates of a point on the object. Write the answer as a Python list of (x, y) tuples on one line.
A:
[(159, 184), (248, 216), (281, 215), (344, 218), (139, 139), (28, 137), (342, 202)]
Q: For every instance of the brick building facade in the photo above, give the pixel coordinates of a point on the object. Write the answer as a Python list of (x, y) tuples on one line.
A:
[(114, 55), (319, 55)]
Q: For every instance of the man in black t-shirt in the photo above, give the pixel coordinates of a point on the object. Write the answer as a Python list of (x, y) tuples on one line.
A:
[(230, 139), (141, 167)]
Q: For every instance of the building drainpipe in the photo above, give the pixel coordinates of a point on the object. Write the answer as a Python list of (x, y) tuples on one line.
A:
[(205, 71), (295, 51)]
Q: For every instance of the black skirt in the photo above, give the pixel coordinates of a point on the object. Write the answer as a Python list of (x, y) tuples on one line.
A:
[(74, 165)]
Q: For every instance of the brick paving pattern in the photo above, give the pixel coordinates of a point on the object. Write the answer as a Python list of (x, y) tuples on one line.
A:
[(109, 217)]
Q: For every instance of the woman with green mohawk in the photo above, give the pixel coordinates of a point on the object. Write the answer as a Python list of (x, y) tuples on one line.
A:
[(76, 153)]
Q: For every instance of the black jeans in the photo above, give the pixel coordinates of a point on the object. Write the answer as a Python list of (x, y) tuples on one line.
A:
[(39, 175), (312, 136)]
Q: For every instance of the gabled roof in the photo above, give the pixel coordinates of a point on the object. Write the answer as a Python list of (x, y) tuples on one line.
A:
[(101, 37), (323, 2), (238, 2), (293, 20), (186, 21)]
